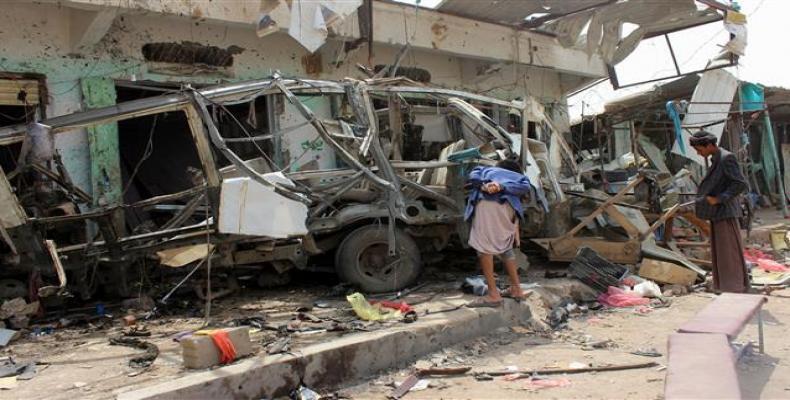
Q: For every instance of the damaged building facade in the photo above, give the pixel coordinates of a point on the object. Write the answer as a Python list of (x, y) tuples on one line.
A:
[(139, 155)]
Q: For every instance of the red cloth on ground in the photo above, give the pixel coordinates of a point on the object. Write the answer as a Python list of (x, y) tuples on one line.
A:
[(227, 351), (616, 297), (763, 261), (395, 305)]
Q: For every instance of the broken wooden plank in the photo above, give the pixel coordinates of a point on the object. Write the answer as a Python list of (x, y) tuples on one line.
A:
[(554, 371), (666, 272), (443, 371), (404, 387)]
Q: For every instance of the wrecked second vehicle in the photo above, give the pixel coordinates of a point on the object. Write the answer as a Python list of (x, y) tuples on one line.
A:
[(265, 176)]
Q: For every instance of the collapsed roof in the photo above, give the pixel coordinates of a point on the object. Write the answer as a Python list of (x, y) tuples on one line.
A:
[(595, 25)]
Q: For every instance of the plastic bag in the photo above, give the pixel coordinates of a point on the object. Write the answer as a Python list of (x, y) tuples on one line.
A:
[(370, 312), (616, 297), (475, 285), (646, 289)]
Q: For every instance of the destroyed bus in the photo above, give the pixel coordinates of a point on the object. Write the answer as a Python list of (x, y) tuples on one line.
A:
[(261, 177)]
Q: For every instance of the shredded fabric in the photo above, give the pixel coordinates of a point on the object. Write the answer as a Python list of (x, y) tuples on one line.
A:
[(371, 312), (227, 351), (401, 306), (536, 383), (763, 261), (616, 297)]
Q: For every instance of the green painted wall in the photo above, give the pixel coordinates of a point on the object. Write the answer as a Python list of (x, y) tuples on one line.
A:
[(105, 170)]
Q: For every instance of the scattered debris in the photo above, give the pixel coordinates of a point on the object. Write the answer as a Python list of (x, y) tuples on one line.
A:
[(281, 345), (475, 285), (483, 377), (305, 393), (542, 383), (129, 320), (616, 297), (142, 361), (28, 372), (371, 312), (7, 335), (442, 371), (555, 371), (647, 352), (763, 261), (600, 344), (675, 290), (646, 289), (422, 384), (255, 322), (306, 316), (10, 368), (17, 308), (404, 387), (558, 316), (595, 271), (666, 272), (137, 331), (142, 303), (578, 365)]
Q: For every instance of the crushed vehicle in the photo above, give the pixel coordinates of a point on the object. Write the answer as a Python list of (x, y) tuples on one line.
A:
[(264, 176)]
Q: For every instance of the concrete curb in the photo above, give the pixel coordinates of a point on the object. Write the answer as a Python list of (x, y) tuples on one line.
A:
[(338, 361)]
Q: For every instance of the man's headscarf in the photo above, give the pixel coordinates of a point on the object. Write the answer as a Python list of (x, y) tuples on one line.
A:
[(702, 138)]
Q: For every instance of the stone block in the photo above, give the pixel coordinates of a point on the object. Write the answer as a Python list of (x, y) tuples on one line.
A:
[(199, 351)]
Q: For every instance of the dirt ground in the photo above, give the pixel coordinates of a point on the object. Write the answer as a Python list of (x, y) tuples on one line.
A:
[(761, 376), (765, 376), (78, 361), (81, 362)]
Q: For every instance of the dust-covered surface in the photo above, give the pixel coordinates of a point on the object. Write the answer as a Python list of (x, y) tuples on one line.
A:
[(598, 339), (78, 360)]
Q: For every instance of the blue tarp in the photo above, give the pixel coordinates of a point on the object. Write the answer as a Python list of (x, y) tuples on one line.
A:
[(752, 97)]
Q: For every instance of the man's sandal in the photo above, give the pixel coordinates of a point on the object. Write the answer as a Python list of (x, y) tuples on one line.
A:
[(506, 293)]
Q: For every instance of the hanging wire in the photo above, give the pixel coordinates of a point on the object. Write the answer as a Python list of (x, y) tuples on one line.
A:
[(241, 126), (189, 275), (149, 150)]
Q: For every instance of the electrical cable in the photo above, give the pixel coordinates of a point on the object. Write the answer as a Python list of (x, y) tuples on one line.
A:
[(147, 152)]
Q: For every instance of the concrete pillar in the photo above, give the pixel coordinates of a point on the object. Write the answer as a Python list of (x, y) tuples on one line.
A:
[(105, 167)]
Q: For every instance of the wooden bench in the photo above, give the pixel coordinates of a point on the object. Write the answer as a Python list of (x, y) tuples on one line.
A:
[(728, 314), (701, 361), (700, 366)]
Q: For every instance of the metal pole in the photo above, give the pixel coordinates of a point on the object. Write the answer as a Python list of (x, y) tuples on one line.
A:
[(779, 181), (760, 330), (634, 144)]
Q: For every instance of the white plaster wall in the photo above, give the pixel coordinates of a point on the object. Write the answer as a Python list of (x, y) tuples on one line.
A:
[(39, 38)]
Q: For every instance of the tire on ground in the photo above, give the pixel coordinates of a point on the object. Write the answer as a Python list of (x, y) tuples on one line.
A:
[(362, 259)]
